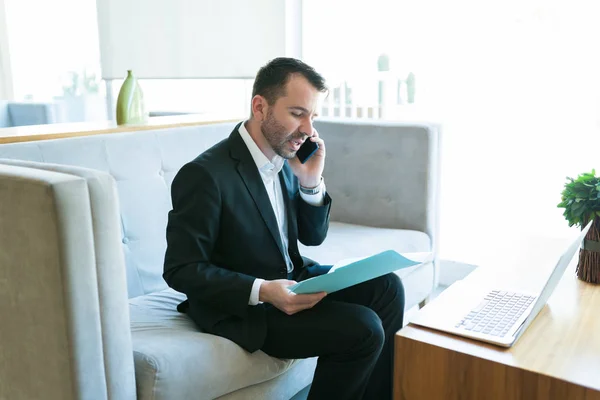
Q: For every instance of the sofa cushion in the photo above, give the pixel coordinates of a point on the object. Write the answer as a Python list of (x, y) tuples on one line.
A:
[(353, 241), (285, 386), (174, 360)]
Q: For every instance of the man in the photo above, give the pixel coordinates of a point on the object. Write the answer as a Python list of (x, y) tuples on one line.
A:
[(239, 210)]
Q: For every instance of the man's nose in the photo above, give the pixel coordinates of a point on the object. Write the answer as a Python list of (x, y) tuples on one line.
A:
[(307, 127)]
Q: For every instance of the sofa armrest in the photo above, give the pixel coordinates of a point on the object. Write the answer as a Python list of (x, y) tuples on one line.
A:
[(50, 340), (384, 174), (110, 272)]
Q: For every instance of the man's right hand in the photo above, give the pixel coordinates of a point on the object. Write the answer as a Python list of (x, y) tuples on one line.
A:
[(277, 293)]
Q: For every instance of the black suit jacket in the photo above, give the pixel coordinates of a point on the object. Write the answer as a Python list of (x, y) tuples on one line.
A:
[(222, 234)]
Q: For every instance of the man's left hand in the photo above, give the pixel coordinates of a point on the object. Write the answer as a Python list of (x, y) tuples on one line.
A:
[(309, 173)]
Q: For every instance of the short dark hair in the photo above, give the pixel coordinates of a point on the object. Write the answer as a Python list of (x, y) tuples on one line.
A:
[(271, 78)]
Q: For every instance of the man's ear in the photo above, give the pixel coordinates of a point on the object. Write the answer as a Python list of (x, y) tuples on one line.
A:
[(259, 107)]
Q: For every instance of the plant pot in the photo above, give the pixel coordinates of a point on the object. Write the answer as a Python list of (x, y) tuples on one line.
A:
[(588, 267)]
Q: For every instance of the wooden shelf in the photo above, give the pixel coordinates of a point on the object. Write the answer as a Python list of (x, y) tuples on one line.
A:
[(59, 131)]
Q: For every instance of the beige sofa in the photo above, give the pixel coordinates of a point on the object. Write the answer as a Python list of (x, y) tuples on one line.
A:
[(85, 312)]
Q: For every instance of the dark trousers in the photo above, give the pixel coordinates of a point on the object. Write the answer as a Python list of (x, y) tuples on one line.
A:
[(351, 331)]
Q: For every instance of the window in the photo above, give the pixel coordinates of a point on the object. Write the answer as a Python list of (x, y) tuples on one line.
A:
[(48, 41), (514, 83), (55, 54)]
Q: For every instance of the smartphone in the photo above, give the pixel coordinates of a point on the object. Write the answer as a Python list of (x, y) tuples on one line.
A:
[(307, 150)]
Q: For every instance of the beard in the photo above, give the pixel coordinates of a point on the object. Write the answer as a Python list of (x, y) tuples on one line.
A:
[(277, 137)]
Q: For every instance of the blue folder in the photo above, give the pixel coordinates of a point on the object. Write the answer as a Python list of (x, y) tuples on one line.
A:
[(355, 273)]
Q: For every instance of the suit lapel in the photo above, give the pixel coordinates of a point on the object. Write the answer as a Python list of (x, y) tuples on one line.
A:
[(254, 183)]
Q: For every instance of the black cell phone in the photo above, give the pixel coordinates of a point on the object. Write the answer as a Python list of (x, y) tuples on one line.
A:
[(307, 150)]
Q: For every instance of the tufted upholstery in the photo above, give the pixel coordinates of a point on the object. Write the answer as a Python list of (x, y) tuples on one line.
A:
[(383, 178), (377, 173), (380, 173), (143, 165)]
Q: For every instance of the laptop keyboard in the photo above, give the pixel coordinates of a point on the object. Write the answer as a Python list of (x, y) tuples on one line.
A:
[(497, 313)]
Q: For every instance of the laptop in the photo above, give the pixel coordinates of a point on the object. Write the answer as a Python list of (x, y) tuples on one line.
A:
[(494, 315)]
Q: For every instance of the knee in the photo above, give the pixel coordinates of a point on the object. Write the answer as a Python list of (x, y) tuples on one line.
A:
[(392, 284), (368, 328)]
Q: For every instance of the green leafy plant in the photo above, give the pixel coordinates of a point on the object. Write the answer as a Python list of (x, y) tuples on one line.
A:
[(581, 199), (80, 83)]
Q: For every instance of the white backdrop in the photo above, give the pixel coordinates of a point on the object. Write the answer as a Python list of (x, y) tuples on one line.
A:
[(189, 38)]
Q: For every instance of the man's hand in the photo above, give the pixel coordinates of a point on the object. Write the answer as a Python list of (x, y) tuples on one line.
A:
[(309, 173), (277, 293)]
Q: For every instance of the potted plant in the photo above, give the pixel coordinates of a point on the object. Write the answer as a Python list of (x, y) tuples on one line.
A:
[(81, 99), (581, 201)]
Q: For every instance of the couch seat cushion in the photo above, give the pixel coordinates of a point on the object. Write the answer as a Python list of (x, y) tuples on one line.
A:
[(174, 360), (355, 241), (346, 241)]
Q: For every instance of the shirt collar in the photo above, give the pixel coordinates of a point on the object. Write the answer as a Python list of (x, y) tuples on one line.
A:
[(262, 162)]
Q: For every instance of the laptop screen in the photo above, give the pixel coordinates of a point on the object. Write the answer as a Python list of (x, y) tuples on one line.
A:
[(557, 273)]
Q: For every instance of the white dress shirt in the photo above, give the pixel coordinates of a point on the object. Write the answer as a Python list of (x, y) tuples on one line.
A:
[(269, 172)]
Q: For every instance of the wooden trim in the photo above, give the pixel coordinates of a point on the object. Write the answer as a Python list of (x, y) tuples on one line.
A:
[(59, 131), (426, 372)]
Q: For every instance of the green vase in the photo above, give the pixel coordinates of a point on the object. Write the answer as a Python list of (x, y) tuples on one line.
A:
[(130, 103)]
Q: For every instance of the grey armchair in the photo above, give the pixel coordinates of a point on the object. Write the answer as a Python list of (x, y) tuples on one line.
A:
[(28, 113)]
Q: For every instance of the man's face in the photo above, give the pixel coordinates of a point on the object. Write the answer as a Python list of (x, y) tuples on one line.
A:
[(288, 122)]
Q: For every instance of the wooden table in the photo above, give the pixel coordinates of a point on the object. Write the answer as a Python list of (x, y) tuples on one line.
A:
[(558, 357)]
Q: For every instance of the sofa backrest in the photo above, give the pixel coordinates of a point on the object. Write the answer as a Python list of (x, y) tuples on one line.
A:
[(143, 164), (379, 174), (382, 173)]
